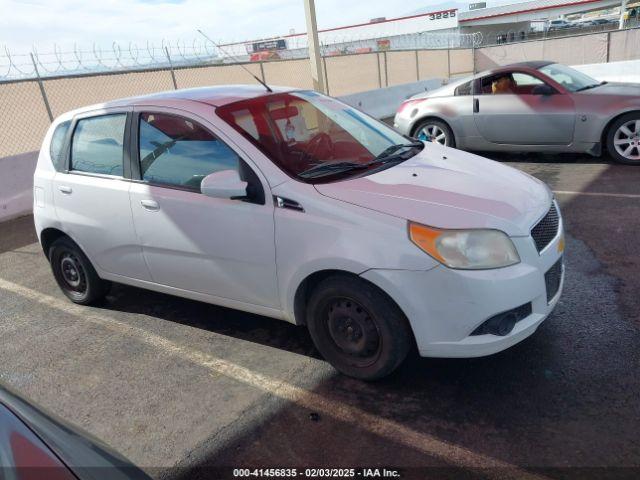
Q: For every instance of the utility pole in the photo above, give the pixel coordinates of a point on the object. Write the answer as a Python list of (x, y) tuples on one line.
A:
[(623, 10), (315, 55)]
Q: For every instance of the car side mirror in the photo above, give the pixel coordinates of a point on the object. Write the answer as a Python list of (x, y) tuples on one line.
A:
[(543, 90), (224, 184)]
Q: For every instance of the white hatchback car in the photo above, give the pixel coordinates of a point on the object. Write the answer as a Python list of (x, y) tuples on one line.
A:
[(293, 205)]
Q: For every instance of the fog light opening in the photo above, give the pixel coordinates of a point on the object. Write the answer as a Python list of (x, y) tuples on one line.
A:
[(503, 323)]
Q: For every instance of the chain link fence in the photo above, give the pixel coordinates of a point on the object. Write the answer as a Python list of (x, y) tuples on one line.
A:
[(23, 118), (497, 36), (77, 61), (35, 87), (27, 106)]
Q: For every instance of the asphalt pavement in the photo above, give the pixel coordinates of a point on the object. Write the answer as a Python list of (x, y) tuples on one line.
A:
[(182, 388)]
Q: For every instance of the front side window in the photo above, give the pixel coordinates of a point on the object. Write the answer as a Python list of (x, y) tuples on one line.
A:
[(97, 144), (57, 143), (523, 80), (514, 83), (176, 151), (314, 138)]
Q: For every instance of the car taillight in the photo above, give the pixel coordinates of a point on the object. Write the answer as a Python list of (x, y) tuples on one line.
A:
[(407, 103)]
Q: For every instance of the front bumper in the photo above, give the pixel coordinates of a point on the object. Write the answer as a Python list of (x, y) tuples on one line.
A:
[(402, 123), (444, 306)]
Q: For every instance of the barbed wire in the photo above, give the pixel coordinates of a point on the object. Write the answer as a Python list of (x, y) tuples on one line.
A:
[(98, 59)]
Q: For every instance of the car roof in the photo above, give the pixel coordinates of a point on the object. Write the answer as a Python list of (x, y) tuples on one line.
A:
[(215, 96)]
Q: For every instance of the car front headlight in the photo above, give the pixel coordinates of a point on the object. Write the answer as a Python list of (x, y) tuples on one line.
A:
[(474, 249)]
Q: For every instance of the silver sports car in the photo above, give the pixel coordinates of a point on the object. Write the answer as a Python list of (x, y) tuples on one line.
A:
[(531, 106)]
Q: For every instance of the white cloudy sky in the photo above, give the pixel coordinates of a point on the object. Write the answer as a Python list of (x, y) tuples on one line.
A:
[(41, 23)]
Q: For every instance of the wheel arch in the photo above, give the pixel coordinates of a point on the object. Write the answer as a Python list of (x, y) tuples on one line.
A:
[(430, 116), (50, 235), (605, 131), (305, 288)]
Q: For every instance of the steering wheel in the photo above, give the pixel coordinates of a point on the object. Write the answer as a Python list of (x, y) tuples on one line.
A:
[(320, 141)]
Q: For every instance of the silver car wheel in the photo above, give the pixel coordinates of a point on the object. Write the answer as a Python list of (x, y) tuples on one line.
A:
[(433, 133), (627, 140)]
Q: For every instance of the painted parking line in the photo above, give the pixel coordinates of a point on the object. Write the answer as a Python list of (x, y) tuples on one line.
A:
[(597, 194), (387, 429)]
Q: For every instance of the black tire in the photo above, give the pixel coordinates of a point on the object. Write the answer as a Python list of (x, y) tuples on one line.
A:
[(450, 137), (74, 273), (634, 140), (357, 328)]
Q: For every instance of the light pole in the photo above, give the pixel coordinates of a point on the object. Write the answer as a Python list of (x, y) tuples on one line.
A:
[(315, 56), (623, 10)]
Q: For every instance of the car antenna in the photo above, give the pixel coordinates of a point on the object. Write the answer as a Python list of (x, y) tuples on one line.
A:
[(239, 63)]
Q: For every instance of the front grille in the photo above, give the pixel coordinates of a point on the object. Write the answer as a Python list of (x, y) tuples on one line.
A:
[(546, 229), (552, 280)]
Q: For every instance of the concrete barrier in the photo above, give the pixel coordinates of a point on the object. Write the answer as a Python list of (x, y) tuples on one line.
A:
[(383, 102), (627, 71), (16, 182)]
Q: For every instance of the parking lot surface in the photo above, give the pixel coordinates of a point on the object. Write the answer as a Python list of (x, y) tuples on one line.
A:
[(179, 386)]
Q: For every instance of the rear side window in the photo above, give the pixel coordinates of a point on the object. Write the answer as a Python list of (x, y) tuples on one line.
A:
[(464, 89), (177, 151), (98, 144), (57, 143)]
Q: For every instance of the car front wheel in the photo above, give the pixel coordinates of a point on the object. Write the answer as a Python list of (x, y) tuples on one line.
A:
[(623, 139), (357, 328), (436, 131), (74, 273)]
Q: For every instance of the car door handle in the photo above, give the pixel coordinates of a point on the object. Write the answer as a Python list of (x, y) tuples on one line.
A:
[(282, 202), (150, 205), (476, 105), (64, 189)]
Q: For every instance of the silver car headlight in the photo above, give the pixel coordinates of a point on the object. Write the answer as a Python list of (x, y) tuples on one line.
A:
[(474, 249)]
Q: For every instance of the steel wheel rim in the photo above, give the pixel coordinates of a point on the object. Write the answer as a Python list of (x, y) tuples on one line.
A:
[(72, 272), (626, 140), (353, 331), (433, 133)]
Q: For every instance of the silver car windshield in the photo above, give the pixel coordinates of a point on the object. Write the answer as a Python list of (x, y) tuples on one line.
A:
[(571, 79)]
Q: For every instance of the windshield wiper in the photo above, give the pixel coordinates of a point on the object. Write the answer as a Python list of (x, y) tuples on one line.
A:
[(587, 87), (387, 155), (388, 152), (330, 168)]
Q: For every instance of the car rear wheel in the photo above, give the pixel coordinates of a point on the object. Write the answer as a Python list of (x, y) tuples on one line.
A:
[(436, 131), (623, 139), (74, 273), (357, 328)]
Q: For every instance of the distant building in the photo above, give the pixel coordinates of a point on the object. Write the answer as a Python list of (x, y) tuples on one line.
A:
[(514, 22), (425, 30)]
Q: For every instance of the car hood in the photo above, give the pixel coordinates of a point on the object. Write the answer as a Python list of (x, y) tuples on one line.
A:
[(615, 88), (447, 188)]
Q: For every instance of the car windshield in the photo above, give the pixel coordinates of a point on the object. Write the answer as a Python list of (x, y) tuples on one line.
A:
[(571, 79), (315, 138)]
